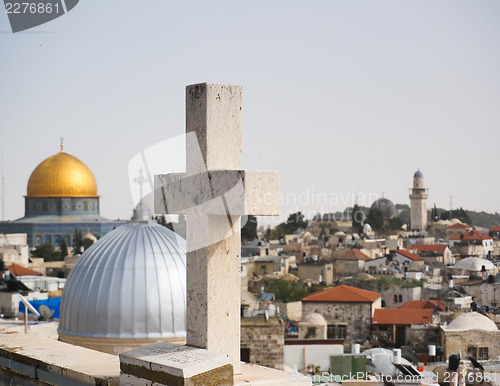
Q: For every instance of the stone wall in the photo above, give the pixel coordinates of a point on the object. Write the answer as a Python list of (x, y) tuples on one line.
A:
[(485, 294), (314, 270), (422, 335), (265, 339), (356, 317), (405, 294), (457, 342)]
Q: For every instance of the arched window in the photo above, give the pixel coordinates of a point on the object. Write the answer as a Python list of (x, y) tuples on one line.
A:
[(395, 298), (401, 298)]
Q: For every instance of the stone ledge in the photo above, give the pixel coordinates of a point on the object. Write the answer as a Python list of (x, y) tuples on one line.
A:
[(56, 362), (252, 374)]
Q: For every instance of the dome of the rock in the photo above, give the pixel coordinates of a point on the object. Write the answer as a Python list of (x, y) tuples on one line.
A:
[(62, 175), (127, 290)]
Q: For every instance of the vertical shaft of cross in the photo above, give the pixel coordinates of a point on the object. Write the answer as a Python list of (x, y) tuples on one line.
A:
[(213, 114)]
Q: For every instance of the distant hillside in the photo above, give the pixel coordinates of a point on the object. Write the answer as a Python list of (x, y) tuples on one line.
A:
[(483, 219)]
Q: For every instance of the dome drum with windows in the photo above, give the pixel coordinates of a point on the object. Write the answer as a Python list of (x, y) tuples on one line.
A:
[(62, 185)]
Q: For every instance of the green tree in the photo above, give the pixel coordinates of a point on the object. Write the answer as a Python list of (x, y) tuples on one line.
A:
[(77, 241), (376, 219), (357, 218), (249, 231), (294, 222), (395, 223), (63, 247), (47, 252)]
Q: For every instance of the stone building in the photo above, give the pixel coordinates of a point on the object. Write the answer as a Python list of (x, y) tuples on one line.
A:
[(313, 326), (347, 310), (472, 243), (351, 262), (14, 249), (434, 254), (395, 323), (319, 270), (471, 334), (418, 200), (396, 296), (412, 261), (263, 341), (456, 229)]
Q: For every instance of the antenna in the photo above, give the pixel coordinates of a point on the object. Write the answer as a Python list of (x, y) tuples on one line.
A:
[(46, 312), (451, 203)]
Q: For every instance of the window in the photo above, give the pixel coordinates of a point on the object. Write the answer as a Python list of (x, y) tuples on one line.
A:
[(395, 298), (85, 205), (401, 298), (311, 333), (336, 331), (483, 353), (472, 351)]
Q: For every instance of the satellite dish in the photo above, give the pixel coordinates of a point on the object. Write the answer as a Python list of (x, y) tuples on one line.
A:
[(46, 312)]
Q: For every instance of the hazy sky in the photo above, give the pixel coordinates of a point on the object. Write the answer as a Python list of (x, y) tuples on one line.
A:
[(343, 97)]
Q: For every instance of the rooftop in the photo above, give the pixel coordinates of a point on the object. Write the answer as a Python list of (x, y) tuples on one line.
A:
[(344, 294), (353, 254), (424, 304), (458, 225), (409, 255), (429, 248), (402, 316), (19, 270), (473, 235)]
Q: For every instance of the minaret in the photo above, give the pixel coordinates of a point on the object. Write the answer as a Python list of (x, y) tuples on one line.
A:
[(418, 199)]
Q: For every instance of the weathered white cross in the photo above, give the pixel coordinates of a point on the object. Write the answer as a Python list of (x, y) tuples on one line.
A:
[(214, 193)]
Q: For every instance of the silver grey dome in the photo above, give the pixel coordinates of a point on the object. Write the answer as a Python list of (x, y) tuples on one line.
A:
[(418, 174), (386, 206), (131, 284)]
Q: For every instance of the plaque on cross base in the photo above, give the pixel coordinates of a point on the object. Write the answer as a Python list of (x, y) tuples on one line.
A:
[(163, 363)]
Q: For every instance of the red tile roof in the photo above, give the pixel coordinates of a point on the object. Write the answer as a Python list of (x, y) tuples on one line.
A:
[(18, 270), (343, 293), (473, 235), (495, 229), (458, 225), (424, 304), (428, 248), (409, 255), (353, 254), (402, 316)]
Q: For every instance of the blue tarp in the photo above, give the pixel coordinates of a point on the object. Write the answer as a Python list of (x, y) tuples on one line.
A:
[(52, 303)]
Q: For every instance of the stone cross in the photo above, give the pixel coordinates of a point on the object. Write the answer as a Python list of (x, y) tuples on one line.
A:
[(214, 193)]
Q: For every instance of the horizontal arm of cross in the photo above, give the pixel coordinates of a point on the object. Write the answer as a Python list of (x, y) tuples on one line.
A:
[(243, 192)]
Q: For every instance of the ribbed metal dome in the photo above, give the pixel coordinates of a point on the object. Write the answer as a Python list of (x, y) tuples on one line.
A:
[(131, 284)]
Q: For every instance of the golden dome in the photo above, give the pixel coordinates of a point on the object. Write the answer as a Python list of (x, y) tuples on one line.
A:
[(62, 175)]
